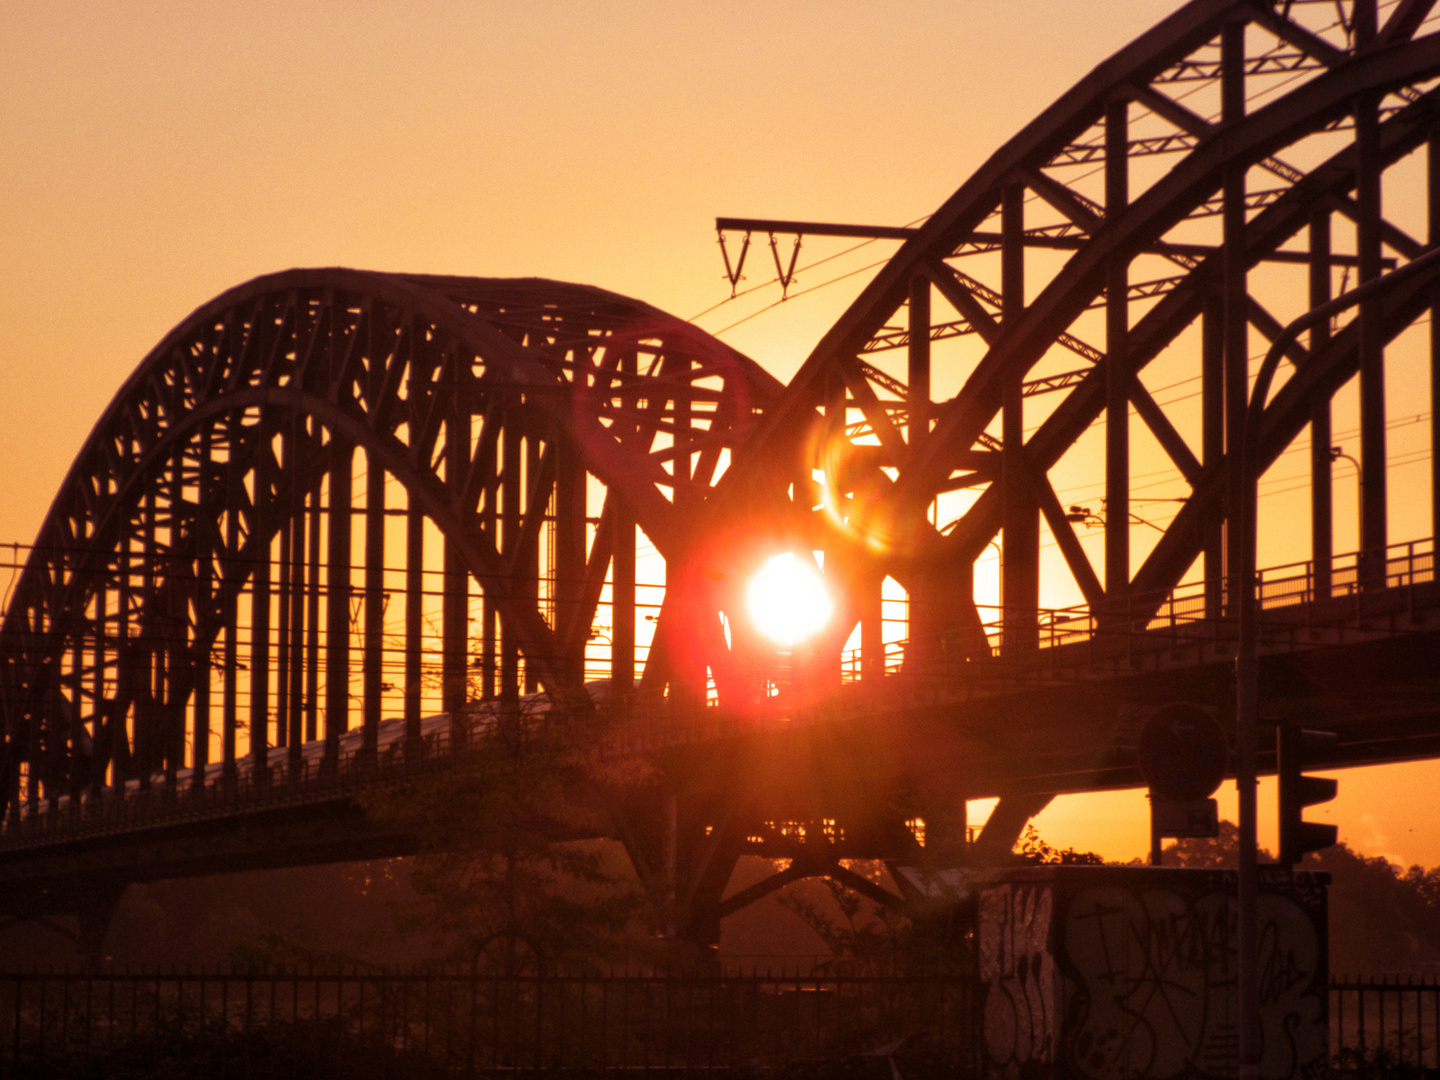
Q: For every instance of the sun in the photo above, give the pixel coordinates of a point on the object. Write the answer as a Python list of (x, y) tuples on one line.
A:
[(787, 600)]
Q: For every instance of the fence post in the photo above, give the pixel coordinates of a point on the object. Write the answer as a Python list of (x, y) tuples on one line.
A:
[(703, 1020)]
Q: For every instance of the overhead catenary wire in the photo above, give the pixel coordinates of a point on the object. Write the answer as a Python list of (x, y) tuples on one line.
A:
[(803, 269), (733, 324), (1253, 96)]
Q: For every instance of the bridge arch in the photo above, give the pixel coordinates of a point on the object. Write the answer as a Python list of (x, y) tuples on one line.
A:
[(1231, 168), (219, 561), (1154, 219)]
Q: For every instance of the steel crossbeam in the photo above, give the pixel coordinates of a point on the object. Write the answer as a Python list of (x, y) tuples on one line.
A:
[(331, 505)]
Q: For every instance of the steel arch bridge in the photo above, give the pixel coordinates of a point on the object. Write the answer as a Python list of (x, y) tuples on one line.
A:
[(334, 506)]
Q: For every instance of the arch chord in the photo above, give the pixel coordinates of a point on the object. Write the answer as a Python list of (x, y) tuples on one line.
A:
[(212, 588), (1154, 210), (1151, 229), (333, 494)]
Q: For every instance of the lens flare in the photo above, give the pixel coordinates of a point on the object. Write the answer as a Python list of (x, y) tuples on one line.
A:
[(788, 601)]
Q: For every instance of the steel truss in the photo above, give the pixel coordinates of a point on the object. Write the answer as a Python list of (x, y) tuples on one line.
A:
[(1155, 255), (214, 577), (514, 434)]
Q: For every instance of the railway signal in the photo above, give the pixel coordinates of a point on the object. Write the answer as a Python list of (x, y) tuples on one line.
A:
[(1297, 749)]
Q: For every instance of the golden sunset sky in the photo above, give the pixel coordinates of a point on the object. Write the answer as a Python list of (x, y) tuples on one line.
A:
[(158, 153)]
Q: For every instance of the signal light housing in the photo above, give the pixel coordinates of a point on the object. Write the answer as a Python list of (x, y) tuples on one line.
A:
[(1297, 749)]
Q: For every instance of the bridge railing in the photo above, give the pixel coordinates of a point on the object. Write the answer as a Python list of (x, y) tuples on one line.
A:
[(1196, 611), (1408, 563), (1184, 616), (288, 780)]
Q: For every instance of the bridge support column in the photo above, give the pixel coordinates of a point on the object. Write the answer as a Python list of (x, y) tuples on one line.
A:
[(294, 622), (95, 913), (917, 368), (204, 622), (414, 623), (1020, 558), (1212, 436), (285, 586), (622, 604), (454, 604), (229, 693), (1236, 300), (260, 609), (870, 599), (622, 577), (489, 614), (528, 560), (570, 511), (374, 606), (337, 602), (1322, 511), (1237, 552), (947, 826), (78, 763), (101, 727), (312, 621), (1004, 826), (683, 867), (1432, 190), (710, 865), (1373, 509), (1117, 366)]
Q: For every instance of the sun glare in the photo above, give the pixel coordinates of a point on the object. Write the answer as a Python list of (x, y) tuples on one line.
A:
[(788, 601)]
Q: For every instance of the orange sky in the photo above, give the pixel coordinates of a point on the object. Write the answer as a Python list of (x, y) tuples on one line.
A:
[(156, 154)]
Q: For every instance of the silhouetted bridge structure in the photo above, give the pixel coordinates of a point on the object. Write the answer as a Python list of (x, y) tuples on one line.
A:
[(340, 522)]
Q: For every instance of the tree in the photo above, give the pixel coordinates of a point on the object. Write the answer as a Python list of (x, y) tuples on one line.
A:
[(1032, 849), (1382, 919), (1217, 852), (861, 935), (511, 874)]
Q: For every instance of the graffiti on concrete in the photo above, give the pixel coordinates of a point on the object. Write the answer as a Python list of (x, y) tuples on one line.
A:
[(1112, 979), (1156, 985), (1017, 968), (1154, 975)]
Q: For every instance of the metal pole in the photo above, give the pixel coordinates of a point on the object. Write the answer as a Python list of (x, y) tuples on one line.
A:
[(260, 613), (1322, 512), (337, 599), (1020, 558), (372, 675), (1247, 660), (414, 621), (1235, 347)]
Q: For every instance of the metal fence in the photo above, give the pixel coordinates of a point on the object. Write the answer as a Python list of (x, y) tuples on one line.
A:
[(1385, 1021), (359, 1025), (419, 1025)]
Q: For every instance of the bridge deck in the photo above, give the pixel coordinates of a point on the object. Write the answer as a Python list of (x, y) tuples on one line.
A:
[(1060, 717)]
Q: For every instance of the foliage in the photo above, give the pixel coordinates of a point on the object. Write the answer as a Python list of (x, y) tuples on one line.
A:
[(1031, 848), (1208, 852), (1382, 918), (1387, 1062), (510, 876), (862, 936)]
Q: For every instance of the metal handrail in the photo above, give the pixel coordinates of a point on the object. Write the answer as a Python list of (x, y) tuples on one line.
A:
[(1180, 618)]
